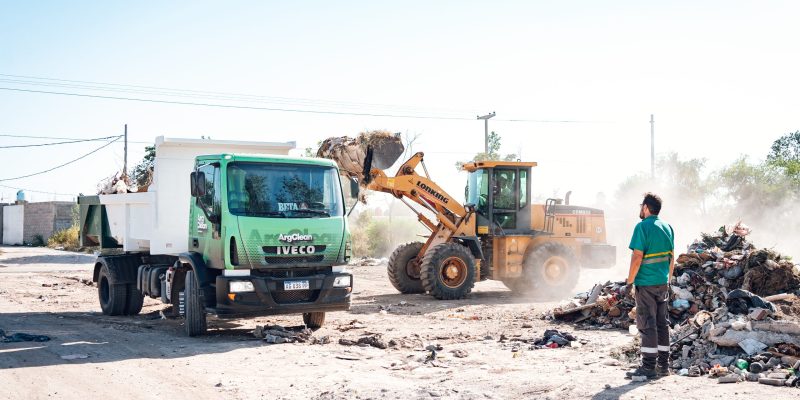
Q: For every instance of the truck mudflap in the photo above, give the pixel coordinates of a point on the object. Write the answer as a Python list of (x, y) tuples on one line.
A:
[(273, 296), (595, 256)]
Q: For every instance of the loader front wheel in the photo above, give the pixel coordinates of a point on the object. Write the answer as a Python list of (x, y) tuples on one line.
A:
[(448, 271), (404, 268)]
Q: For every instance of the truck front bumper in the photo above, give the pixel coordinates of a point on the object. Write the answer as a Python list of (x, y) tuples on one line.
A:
[(270, 298)]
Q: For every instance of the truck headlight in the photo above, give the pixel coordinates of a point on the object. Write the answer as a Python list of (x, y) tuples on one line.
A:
[(341, 281), (241, 286)]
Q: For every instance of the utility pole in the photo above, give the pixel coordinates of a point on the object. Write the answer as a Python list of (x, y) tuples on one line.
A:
[(485, 119), (125, 164), (652, 147)]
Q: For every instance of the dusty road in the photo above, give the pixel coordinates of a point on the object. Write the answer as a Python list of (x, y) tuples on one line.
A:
[(145, 357)]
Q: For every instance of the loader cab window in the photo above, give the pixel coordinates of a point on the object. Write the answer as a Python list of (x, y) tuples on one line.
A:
[(523, 189), (478, 190), (504, 190)]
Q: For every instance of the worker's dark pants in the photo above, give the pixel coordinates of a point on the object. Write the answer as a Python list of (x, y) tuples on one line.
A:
[(652, 322)]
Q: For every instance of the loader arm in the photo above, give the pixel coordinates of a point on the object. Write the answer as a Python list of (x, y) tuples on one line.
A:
[(453, 220)]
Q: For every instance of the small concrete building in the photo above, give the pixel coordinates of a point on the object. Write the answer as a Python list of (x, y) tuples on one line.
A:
[(22, 223)]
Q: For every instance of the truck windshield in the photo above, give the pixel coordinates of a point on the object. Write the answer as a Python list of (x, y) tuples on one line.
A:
[(283, 191)]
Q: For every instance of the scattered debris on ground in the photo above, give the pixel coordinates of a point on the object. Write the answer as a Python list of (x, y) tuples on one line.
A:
[(275, 334), (553, 339), (22, 337), (368, 262), (733, 311)]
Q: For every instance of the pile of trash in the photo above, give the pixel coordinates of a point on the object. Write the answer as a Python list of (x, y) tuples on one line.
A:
[(723, 310), (738, 343), (553, 339)]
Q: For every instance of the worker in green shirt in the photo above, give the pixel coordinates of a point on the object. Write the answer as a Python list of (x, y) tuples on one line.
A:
[(652, 263)]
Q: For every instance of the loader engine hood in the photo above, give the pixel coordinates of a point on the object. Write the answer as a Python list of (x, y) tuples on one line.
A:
[(291, 242)]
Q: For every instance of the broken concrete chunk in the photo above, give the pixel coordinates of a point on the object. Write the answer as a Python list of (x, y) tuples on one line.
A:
[(751, 346)]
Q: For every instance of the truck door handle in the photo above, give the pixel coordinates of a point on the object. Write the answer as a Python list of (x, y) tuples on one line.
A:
[(195, 242)]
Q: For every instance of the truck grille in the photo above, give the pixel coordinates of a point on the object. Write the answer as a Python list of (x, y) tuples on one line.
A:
[(294, 259), (292, 273), (295, 296)]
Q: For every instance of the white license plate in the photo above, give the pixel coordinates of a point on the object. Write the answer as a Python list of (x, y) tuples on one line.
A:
[(295, 285)]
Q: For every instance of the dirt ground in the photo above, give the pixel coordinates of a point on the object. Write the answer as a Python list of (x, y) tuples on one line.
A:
[(95, 356)]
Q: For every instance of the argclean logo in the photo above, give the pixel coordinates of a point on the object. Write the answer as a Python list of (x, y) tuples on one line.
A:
[(295, 237)]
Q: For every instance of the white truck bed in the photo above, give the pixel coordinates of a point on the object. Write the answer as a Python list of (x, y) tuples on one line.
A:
[(158, 220)]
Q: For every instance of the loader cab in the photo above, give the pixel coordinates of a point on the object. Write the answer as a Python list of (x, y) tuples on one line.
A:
[(500, 191)]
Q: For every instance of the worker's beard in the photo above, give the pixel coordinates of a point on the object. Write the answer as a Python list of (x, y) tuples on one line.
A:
[(641, 214)]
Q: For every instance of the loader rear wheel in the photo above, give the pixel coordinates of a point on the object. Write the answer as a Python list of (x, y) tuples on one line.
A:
[(404, 268), (448, 271), (112, 295), (195, 308), (314, 320), (550, 271)]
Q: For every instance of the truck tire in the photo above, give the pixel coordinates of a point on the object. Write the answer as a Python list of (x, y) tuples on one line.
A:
[(404, 270), (135, 300), (448, 271), (195, 309), (113, 296), (550, 270), (314, 320)]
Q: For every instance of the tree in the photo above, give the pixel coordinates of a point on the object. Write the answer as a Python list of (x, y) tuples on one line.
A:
[(493, 154), (142, 174), (785, 154)]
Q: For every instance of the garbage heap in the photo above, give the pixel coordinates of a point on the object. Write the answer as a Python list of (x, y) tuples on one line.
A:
[(734, 310)]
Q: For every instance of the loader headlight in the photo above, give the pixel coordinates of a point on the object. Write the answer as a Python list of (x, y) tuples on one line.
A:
[(341, 281), (240, 286)]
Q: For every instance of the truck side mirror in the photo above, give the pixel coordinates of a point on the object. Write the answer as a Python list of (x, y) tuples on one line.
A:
[(193, 184), (354, 188), (200, 183)]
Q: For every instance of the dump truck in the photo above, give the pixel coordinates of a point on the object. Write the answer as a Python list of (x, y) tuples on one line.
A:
[(228, 229), (496, 233)]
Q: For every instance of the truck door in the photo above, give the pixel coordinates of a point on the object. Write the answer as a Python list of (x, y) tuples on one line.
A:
[(206, 235)]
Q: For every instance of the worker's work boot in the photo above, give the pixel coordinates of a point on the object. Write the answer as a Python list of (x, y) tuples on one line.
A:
[(647, 370), (644, 371), (662, 368)]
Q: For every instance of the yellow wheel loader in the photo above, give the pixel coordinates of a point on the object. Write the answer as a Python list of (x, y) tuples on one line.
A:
[(496, 233)]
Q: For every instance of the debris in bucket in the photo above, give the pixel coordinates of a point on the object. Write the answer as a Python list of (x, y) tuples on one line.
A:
[(380, 148), (22, 337), (275, 334)]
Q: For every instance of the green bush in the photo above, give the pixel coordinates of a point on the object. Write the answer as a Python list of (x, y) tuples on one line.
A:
[(65, 238)]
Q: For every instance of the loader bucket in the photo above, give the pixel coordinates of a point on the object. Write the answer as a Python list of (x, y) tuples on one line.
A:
[(356, 155), (385, 151)]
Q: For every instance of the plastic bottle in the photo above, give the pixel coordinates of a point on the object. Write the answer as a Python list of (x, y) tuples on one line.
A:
[(742, 364)]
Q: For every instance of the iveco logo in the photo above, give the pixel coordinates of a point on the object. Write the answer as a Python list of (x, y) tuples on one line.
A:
[(295, 237), (434, 193)]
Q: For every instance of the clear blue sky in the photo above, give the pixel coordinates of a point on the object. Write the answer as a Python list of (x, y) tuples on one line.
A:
[(721, 77)]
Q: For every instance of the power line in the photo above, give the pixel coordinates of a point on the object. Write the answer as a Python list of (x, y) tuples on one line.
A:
[(65, 138), (237, 107), (77, 84), (56, 143), (64, 164), (37, 191)]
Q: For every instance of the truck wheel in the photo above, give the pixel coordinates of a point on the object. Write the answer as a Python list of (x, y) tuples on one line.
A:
[(404, 268), (550, 270), (448, 271), (195, 309), (135, 300), (113, 296), (314, 320)]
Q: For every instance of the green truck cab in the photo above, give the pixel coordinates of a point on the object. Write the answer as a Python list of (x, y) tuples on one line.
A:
[(266, 235)]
